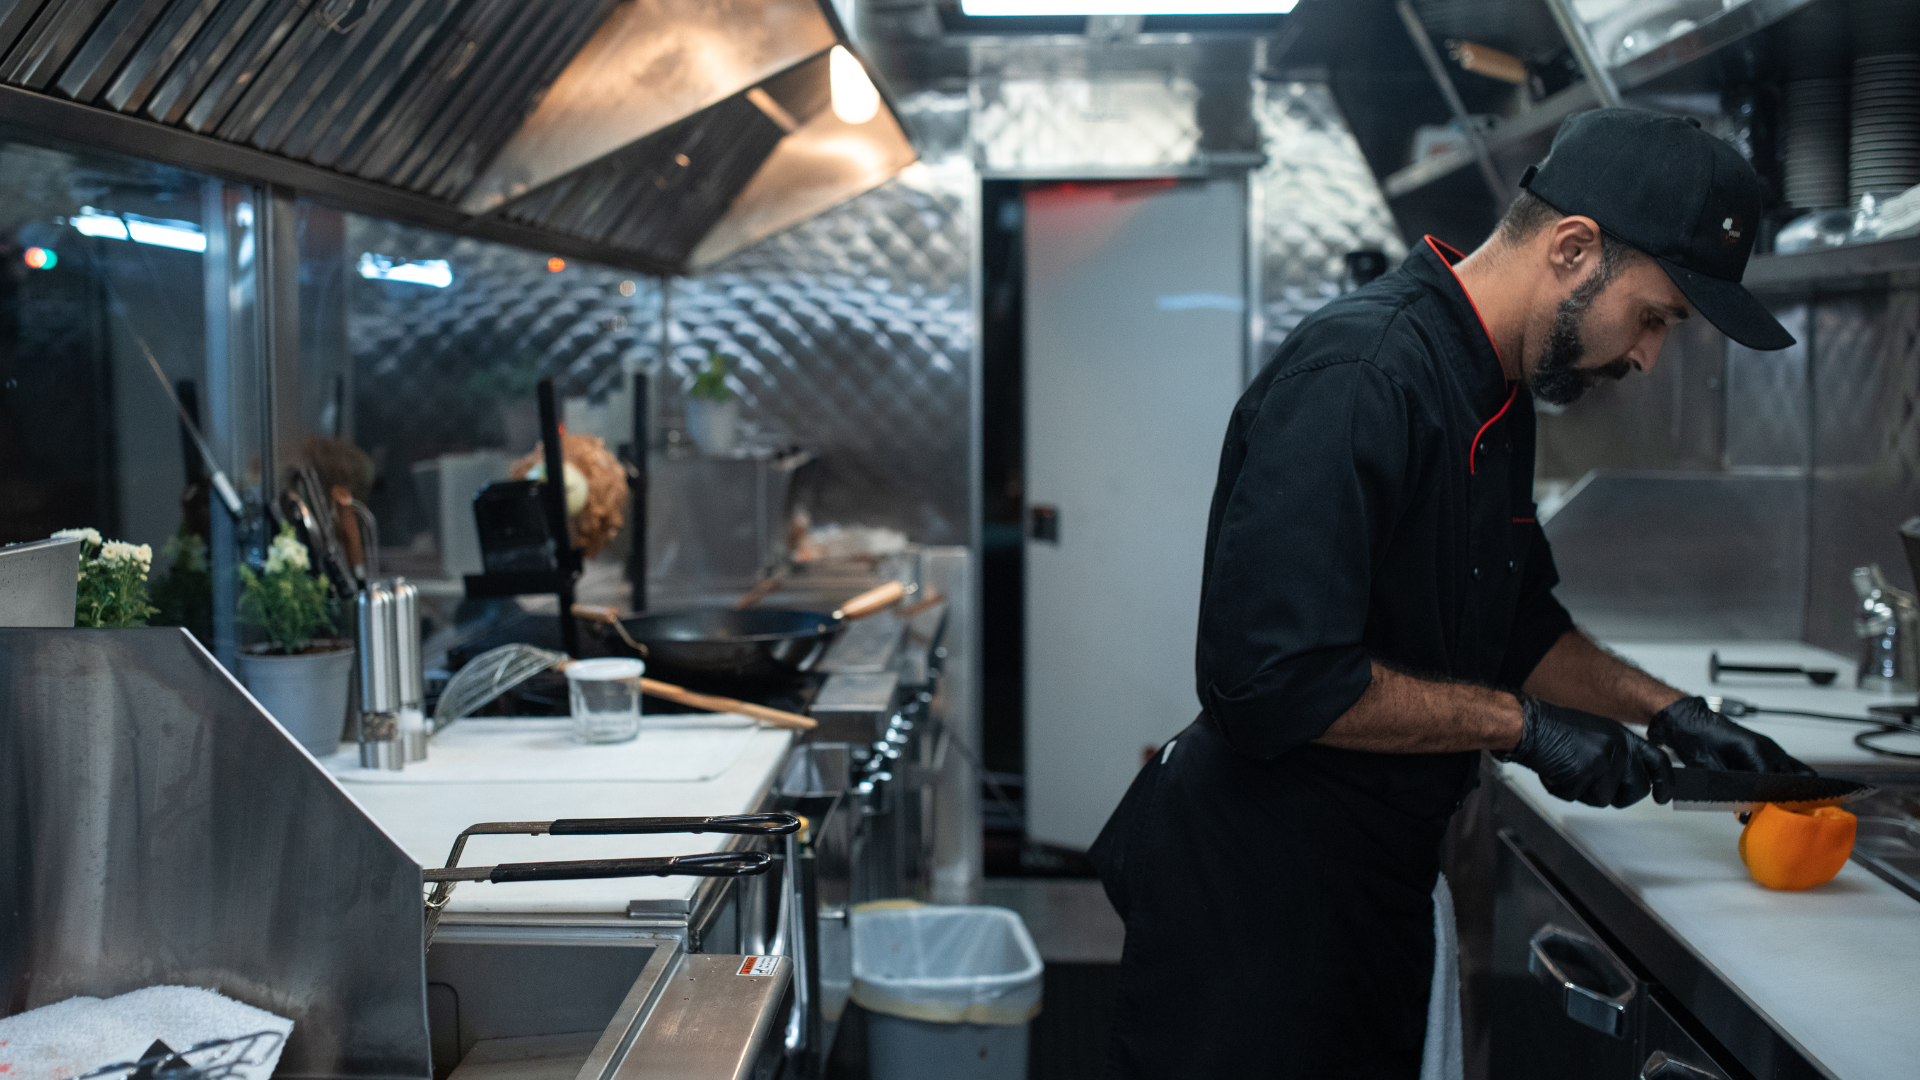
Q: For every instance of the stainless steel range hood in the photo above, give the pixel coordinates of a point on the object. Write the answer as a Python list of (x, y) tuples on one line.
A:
[(658, 134)]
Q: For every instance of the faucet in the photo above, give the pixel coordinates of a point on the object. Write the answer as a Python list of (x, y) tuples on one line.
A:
[(1888, 622)]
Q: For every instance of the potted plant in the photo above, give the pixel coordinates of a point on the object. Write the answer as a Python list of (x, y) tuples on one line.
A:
[(112, 593), (298, 675), (713, 409), (185, 596)]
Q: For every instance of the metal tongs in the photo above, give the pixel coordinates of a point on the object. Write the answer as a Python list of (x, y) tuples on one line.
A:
[(708, 864)]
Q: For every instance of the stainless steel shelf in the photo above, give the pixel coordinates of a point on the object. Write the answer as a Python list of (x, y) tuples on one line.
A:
[(1714, 34), (1701, 41), (1541, 118), (1855, 265)]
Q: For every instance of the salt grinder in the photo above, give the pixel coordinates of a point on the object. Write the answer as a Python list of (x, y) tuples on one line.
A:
[(412, 687), (380, 744)]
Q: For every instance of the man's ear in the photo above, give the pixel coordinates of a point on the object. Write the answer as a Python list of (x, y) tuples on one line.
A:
[(1573, 245)]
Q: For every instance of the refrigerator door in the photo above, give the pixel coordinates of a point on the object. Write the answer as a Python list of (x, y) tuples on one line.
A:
[(1563, 1004), (1668, 1051)]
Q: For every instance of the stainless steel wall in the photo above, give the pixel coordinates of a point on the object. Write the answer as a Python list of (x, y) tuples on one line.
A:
[(854, 335), (162, 830), (1314, 201), (1865, 380), (1833, 418)]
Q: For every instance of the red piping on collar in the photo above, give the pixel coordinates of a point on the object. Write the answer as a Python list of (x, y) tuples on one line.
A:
[(1436, 244), (1474, 446)]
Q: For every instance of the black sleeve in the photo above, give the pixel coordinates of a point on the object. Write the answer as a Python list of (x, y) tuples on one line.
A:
[(1538, 619), (1323, 473)]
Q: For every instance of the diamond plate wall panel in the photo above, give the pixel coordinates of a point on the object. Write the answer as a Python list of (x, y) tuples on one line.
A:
[(937, 123), (1316, 200), (440, 371), (853, 336), (1866, 392), (1074, 125), (1669, 418), (1770, 417)]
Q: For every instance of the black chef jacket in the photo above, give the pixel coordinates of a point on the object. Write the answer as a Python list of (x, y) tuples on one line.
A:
[(1374, 502)]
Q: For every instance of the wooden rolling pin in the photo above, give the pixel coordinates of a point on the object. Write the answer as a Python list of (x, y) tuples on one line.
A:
[(716, 703), (1494, 64)]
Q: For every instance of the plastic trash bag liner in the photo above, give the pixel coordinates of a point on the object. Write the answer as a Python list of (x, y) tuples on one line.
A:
[(948, 965)]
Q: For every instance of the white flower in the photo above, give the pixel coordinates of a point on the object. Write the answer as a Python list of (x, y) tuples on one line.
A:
[(286, 551), (90, 536), (114, 551)]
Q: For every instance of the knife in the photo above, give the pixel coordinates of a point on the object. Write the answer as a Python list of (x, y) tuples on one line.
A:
[(1712, 789)]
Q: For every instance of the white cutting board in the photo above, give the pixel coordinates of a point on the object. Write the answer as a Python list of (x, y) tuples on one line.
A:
[(672, 748), (424, 817)]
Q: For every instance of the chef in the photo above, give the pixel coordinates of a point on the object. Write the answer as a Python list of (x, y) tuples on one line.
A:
[(1377, 608)]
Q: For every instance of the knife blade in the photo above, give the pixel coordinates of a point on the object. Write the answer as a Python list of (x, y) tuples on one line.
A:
[(1712, 789)]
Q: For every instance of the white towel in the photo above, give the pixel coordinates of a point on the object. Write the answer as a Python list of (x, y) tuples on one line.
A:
[(76, 1036), (1442, 1058)]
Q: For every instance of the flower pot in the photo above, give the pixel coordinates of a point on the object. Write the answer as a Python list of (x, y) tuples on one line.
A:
[(713, 424), (307, 694)]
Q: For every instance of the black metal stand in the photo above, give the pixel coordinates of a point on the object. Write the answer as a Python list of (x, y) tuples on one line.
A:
[(554, 489), (637, 494)]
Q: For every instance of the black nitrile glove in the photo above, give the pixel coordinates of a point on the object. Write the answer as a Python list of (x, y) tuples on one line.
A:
[(1586, 758), (1704, 739)]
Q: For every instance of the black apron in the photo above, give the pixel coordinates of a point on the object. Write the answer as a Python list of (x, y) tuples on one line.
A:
[(1373, 504)]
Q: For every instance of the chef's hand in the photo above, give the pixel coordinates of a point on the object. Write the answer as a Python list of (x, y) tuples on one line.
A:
[(1704, 739), (1588, 758)]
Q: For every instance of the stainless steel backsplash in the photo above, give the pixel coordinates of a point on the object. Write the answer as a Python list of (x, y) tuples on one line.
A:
[(1313, 202), (853, 336), (1833, 419)]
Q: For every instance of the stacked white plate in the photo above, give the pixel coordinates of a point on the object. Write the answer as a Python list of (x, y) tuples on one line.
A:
[(1884, 157), (1816, 143)]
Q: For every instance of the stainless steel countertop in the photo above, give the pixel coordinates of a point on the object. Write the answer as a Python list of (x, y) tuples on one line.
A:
[(1803, 984)]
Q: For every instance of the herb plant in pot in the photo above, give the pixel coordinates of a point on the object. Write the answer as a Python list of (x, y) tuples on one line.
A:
[(297, 674), (112, 591), (713, 410)]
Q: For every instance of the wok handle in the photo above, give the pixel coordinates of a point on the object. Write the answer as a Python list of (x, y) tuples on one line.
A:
[(597, 613), (713, 864), (740, 824), (871, 601), (716, 703), (601, 614)]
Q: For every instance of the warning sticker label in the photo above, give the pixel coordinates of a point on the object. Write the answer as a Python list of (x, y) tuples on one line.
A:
[(758, 965)]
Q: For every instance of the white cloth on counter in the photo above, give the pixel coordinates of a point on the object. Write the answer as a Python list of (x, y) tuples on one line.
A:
[(79, 1035), (672, 747), (1443, 1057)]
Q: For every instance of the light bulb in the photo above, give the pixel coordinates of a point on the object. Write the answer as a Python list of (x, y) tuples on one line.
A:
[(855, 100)]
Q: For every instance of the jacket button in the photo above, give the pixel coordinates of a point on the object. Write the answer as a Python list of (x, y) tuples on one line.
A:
[(1510, 566), (1476, 573), (1483, 449)]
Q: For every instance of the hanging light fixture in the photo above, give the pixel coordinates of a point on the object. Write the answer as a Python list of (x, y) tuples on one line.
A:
[(855, 100), (1004, 8)]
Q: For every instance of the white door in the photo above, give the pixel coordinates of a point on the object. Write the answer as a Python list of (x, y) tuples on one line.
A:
[(1135, 331)]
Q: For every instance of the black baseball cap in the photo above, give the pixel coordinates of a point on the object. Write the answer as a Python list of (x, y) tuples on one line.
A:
[(1673, 191)]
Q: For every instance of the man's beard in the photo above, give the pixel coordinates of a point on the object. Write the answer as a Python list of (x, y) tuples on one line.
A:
[(1558, 379)]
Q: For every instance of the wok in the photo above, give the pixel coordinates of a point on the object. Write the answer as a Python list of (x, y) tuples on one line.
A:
[(751, 645)]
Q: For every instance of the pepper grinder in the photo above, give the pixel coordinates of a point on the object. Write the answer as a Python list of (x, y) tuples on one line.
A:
[(380, 744), (410, 684)]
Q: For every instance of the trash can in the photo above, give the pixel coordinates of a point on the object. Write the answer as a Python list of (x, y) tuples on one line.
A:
[(950, 990)]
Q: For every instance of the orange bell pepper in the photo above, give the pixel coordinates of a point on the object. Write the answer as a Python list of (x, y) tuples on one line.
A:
[(1796, 849)]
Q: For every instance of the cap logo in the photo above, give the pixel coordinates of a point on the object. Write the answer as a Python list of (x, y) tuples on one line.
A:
[(1730, 230)]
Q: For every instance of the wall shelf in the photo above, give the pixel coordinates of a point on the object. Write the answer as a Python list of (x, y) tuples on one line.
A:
[(1538, 120), (1854, 266), (1701, 41)]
